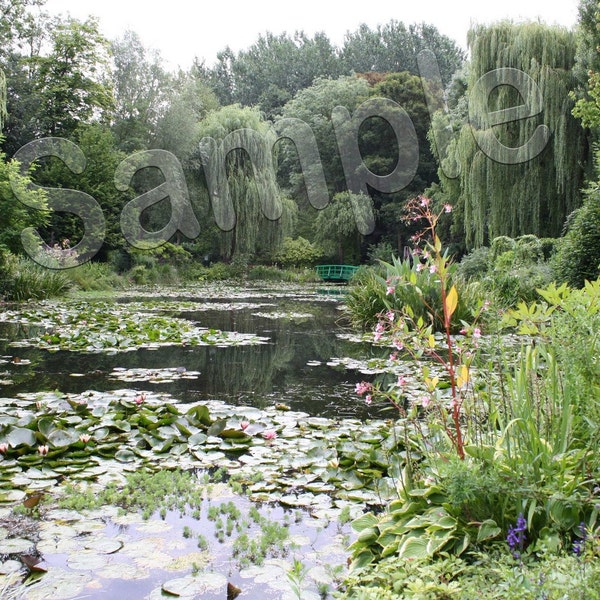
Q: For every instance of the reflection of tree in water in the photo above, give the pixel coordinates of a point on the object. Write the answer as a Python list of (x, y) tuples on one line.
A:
[(259, 375)]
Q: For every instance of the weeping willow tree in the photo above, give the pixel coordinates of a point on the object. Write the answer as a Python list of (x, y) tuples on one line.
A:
[(504, 193), (236, 153), (2, 99)]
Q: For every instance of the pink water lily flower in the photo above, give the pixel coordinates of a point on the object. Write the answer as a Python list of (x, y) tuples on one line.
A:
[(85, 438), (43, 450), (269, 434), (3, 448), (140, 399), (244, 425)]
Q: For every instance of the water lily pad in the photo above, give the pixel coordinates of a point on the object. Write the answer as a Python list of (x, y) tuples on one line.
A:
[(86, 561), (193, 585), (16, 545), (58, 584), (11, 495)]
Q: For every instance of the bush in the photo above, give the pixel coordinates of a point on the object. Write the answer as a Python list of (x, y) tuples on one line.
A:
[(94, 276), (25, 280), (297, 253), (401, 284), (475, 264), (578, 255)]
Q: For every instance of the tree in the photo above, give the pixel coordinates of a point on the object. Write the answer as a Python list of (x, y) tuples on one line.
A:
[(141, 89), (15, 215), (252, 233), (393, 48), (273, 69), (72, 82), (335, 228), (99, 147), (497, 196), (314, 105)]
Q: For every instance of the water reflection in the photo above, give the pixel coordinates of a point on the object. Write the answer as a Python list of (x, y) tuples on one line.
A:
[(291, 368)]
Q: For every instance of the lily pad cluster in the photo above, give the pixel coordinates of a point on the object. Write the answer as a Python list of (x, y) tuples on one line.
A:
[(165, 375), (108, 326), (302, 460)]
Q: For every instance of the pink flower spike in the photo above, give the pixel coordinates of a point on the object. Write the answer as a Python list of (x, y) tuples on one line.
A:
[(269, 434)]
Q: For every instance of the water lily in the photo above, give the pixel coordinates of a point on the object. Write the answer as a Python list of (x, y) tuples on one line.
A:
[(39, 405), (270, 435), (244, 425), (140, 399), (85, 438), (43, 450), (3, 448)]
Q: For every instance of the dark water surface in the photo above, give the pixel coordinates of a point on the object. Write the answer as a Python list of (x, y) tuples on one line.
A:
[(302, 328)]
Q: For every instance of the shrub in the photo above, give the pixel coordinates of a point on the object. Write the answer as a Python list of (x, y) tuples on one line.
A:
[(475, 264), (297, 253), (578, 255), (26, 280)]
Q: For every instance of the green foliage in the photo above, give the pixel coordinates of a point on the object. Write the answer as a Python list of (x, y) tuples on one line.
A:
[(511, 270), (25, 280), (297, 252), (411, 287), (494, 575), (491, 198), (93, 276), (578, 255)]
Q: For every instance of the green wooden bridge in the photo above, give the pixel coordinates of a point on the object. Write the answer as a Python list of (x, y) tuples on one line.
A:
[(336, 272)]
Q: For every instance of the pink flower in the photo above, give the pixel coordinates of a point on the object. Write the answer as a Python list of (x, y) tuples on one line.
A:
[(368, 399), (463, 331), (398, 344), (376, 337), (393, 356), (140, 399), (425, 401), (43, 450), (433, 269), (424, 202), (402, 381), (476, 332), (85, 438), (419, 267), (269, 434), (363, 387), (390, 315), (3, 448), (447, 208), (390, 290), (244, 425)]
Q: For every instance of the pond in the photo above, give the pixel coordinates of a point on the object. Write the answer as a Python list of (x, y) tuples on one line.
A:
[(296, 365), (251, 390)]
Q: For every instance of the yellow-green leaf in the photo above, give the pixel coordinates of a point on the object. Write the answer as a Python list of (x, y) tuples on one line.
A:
[(451, 301)]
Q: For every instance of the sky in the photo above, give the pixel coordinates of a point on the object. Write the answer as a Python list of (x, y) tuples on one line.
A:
[(182, 30)]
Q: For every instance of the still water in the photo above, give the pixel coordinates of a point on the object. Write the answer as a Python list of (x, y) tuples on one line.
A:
[(302, 328)]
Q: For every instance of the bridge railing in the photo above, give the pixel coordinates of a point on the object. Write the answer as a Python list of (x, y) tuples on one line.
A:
[(336, 272)]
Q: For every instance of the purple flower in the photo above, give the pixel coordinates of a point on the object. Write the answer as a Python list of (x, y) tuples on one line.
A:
[(517, 536)]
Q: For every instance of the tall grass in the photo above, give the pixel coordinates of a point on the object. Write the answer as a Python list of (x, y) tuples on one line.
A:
[(28, 281)]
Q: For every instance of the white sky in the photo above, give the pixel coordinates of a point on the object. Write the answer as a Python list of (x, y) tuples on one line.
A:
[(182, 29)]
